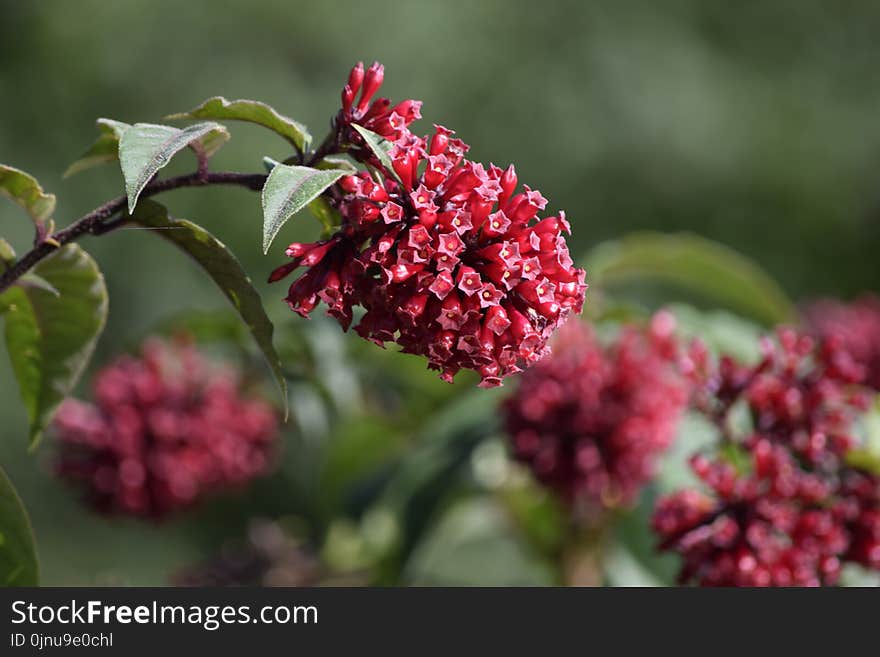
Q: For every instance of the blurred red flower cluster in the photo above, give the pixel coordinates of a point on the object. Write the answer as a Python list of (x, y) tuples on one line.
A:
[(783, 506), (855, 327), (166, 429), (590, 421)]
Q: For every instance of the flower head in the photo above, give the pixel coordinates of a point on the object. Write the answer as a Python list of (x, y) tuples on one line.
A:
[(442, 253), (590, 421), (788, 510), (166, 429)]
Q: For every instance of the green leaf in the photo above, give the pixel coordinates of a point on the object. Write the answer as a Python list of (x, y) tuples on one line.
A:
[(621, 568), (32, 280), (473, 544), (380, 146), (204, 326), (540, 516), (50, 335), (7, 253), (737, 456), (105, 148), (23, 188), (288, 190), (864, 459), (340, 162), (694, 433), (722, 332), (632, 532), (707, 269), (860, 576), (867, 455), (252, 111), (428, 473), (325, 213), (145, 148), (18, 553), (219, 263), (357, 448)]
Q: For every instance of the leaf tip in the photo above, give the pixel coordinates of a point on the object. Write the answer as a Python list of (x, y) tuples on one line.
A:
[(34, 439)]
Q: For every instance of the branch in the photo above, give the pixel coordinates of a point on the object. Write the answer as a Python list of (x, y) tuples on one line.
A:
[(93, 222)]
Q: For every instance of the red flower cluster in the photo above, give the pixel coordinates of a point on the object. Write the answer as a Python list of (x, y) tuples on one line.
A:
[(591, 421), (445, 257), (787, 510), (165, 430), (856, 326)]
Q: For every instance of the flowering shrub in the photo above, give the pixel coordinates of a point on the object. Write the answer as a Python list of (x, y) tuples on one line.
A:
[(166, 430), (442, 253), (855, 326), (784, 508), (590, 421), (446, 257), (458, 263)]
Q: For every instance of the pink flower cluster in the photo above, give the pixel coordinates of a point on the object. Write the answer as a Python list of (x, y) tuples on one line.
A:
[(782, 507), (442, 253), (855, 326), (590, 421), (166, 429)]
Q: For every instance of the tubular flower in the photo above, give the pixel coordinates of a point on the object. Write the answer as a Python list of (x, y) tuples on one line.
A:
[(377, 115), (787, 510), (442, 253), (590, 421), (166, 429), (856, 326)]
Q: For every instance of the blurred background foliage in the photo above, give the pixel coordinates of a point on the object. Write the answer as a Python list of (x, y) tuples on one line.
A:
[(753, 124)]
